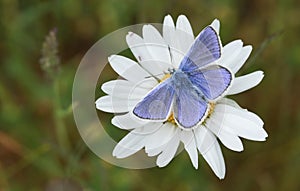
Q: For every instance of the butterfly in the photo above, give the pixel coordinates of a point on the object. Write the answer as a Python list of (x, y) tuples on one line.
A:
[(190, 89)]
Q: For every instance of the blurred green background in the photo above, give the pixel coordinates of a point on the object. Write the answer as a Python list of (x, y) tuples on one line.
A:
[(37, 154)]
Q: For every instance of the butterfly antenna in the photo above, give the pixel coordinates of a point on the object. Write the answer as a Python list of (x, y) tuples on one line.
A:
[(171, 56), (155, 76)]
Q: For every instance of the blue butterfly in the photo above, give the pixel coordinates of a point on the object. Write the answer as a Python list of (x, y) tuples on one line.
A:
[(191, 87)]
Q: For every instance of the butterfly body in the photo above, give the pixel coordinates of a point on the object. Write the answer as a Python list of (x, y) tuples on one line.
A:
[(187, 93), (180, 79)]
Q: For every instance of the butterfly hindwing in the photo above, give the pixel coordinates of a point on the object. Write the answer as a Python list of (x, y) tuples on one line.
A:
[(205, 49), (212, 81), (189, 106), (157, 103)]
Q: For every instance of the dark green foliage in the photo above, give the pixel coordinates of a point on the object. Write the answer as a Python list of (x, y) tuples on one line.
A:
[(40, 147)]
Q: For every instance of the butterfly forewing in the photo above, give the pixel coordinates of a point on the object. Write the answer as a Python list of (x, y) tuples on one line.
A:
[(205, 50), (157, 104), (212, 81)]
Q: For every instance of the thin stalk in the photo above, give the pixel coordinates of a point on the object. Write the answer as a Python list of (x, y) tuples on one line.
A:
[(61, 130)]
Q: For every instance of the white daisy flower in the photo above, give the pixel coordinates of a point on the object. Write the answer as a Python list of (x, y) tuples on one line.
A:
[(226, 120)]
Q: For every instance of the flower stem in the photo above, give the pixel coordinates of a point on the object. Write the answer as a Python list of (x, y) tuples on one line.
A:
[(61, 131)]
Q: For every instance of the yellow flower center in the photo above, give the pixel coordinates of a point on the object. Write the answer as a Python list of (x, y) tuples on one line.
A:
[(211, 108), (171, 119), (165, 77)]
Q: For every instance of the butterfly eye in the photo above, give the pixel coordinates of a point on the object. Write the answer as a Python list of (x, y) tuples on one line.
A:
[(171, 70)]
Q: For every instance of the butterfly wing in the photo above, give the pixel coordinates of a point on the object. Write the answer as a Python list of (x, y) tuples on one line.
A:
[(212, 81), (206, 49), (190, 108), (157, 103)]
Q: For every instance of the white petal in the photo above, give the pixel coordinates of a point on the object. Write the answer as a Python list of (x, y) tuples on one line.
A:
[(170, 36), (242, 122), (184, 33), (127, 68), (134, 141), (148, 129), (155, 151), (229, 102), (230, 140), (141, 53), (137, 47), (128, 121), (214, 158), (169, 151), (168, 29), (115, 105), (148, 83), (160, 139), (227, 137), (177, 54), (246, 82), (210, 149), (240, 59), (157, 46), (216, 25), (188, 139), (229, 52), (129, 145), (204, 139), (124, 89), (183, 24)]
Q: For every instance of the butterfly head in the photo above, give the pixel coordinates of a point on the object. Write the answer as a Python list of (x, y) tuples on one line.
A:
[(171, 70)]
